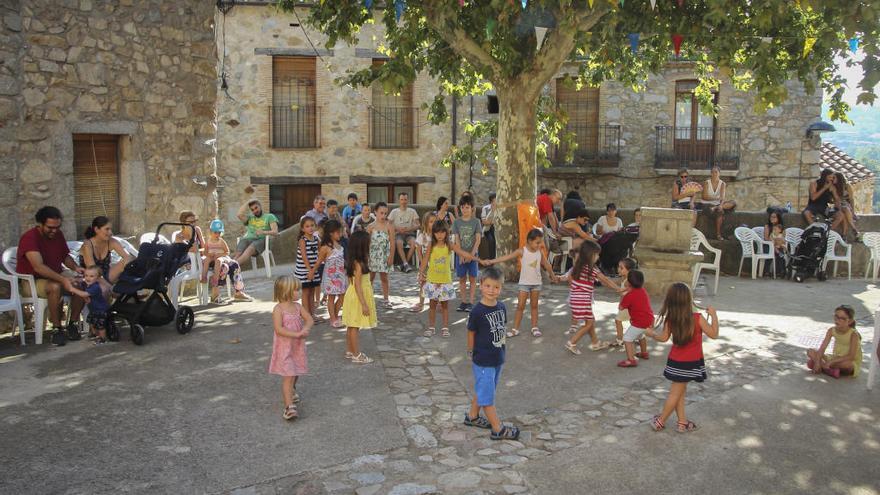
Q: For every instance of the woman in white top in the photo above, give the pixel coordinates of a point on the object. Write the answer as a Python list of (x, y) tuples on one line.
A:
[(609, 222), (713, 203)]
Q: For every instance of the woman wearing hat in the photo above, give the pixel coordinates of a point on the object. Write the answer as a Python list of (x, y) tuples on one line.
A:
[(225, 268)]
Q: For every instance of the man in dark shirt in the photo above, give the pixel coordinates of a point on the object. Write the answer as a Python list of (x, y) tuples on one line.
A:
[(487, 326), (43, 253)]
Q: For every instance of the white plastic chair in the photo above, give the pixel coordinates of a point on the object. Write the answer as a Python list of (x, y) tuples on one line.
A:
[(793, 237), (13, 303), (565, 244), (266, 255), (595, 230), (872, 242), (875, 359), (833, 240), (149, 236), (698, 241), (40, 314), (127, 246), (177, 284), (748, 240)]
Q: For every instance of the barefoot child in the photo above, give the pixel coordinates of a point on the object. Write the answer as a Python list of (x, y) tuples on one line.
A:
[(623, 268), (685, 362), (468, 232), (582, 279), (333, 281), (486, 346), (381, 249), (531, 259), (638, 305), (306, 270), (847, 356), (358, 307), (423, 240), (98, 305), (436, 275), (292, 323)]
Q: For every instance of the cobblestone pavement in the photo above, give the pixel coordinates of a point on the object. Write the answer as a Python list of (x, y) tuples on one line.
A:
[(444, 456)]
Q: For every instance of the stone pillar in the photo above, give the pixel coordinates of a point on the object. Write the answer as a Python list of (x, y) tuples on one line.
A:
[(663, 250)]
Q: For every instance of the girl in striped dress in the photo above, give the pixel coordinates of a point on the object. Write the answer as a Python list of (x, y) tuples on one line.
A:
[(582, 280), (307, 270), (685, 363)]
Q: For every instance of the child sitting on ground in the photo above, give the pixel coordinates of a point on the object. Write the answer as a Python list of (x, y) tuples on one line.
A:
[(98, 305), (292, 323), (623, 268), (638, 305), (685, 362), (847, 356), (486, 347), (531, 259)]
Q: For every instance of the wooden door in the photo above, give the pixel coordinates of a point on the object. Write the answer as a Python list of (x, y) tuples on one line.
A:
[(297, 201), (95, 179), (694, 129)]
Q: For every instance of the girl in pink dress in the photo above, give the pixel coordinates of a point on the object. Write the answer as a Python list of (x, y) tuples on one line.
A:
[(292, 324)]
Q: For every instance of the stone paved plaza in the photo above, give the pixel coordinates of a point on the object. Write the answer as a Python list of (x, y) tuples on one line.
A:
[(199, 413)]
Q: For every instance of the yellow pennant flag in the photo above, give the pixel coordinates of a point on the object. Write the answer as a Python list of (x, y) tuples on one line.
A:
[(591, 3), (808, 46)]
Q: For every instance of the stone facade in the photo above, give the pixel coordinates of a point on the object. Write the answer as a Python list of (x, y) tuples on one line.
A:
[(143, 70)]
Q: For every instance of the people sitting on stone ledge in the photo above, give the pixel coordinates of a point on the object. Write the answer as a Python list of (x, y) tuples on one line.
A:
[(713, 201)]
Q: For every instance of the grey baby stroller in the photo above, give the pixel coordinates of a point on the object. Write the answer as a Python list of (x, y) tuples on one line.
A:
[(153, 269), (807, 259)]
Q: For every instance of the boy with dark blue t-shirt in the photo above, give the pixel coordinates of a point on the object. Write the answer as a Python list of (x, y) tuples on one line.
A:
[(487, 324)]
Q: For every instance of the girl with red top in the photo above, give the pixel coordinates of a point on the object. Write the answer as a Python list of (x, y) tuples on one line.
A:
[(582, 279), (641, 317), (685, 362)]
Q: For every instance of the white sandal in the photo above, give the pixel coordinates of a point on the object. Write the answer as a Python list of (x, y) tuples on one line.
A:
[(572, 348), (512, 333), (361, 359), (430, 332)]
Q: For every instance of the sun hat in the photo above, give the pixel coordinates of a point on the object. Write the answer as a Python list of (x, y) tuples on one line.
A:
[(216, 225)]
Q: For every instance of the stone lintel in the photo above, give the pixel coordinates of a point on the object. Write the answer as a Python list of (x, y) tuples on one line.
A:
[(369, 53), (292, 180), (294, 52), (105, 127), (378, 179)]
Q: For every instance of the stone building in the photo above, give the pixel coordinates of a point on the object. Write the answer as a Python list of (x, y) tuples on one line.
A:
[(105, 107)]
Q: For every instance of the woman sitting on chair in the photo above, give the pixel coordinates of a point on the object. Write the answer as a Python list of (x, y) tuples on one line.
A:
[(98, 248)]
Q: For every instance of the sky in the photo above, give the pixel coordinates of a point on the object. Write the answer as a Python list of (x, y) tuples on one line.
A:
[(853, 75)]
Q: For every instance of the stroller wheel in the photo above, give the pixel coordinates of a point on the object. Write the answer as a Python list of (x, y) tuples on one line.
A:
[(112, 330), (184, 319), (137, 334)]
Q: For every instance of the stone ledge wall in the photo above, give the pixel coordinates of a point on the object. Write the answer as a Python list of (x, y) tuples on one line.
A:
[(142, 69)]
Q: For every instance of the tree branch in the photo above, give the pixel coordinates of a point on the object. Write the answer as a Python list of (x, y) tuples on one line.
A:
[(444, 21)]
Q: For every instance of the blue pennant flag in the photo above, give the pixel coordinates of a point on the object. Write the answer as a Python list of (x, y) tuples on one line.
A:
[(633, 42), (368, 4), (399, 5), (853, 44)]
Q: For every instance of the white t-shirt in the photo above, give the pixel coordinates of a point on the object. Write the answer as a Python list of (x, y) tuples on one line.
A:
[(404, 219), (530, 269), (486, 214), (714, 195), (606, 228)]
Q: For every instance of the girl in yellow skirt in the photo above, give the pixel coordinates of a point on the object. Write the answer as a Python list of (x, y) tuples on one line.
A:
[(358, 309)]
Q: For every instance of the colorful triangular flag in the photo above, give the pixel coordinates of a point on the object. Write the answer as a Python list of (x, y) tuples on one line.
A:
[(676, 43), (681, 3), (653, 4), (808, 46), (399, 6), (853, 44), (524, 3), (633, 42), (490, 28), (591, 3), (368, 4)]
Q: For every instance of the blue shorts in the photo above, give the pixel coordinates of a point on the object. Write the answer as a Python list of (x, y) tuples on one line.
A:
[(471, 268), (485, 382)]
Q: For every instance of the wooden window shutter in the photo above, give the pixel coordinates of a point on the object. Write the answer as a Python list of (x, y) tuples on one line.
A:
[(392, 116), (294, 115), (95, 178)]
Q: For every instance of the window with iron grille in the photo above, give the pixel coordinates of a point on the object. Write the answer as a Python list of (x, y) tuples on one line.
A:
[(393, 118), (582, 107), (294, 114), (389, 193)]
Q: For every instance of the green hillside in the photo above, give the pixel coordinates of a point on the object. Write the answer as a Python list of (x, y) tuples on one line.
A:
[(861, 141)]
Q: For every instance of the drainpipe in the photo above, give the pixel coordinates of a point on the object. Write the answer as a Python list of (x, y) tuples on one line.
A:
[(471, 166), (454, 142)]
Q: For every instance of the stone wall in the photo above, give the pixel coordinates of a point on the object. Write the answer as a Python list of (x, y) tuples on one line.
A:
[(143, 70), (863, 202)]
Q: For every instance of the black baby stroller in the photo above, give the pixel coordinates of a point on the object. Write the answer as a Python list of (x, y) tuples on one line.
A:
[(807, 259), (153, 269), (617, 247)]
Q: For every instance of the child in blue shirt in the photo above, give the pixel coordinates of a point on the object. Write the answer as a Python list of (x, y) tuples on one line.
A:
[(487, 325), (98, 305)]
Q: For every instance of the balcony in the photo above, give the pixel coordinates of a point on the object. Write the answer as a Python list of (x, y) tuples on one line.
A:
[(394, 128), (294, 127), (597, 146), (697, 147)]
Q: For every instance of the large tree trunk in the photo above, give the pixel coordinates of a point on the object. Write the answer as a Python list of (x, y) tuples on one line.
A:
[(516, 164)]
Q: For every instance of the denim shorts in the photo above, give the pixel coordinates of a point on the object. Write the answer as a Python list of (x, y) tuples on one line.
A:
[(485, 382), (529, 288), (467, 268)]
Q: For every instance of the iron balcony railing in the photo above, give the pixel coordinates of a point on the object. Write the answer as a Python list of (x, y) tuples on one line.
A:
[(597, 145), (394, 127), (295, 126), (697, 147)]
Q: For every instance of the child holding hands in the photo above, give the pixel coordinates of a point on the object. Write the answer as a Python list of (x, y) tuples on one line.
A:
[(637, 304), (582, 279), (685, 363), (436, 276), (531, 259), (292, 323)]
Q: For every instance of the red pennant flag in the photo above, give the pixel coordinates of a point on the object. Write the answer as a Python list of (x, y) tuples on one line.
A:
[(676, 43), (681, 3), (461, 3)]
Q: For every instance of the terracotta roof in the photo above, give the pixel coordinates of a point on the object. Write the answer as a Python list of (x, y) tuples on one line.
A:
[(834, 158)]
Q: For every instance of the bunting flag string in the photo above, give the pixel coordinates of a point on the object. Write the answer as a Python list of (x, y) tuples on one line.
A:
[(808, 46), (368, 4), (591, 3), (525, 3), (461, 3), (853, 44), (633, 42)]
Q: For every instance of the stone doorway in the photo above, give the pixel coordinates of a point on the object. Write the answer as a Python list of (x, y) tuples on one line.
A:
[(290, 202)]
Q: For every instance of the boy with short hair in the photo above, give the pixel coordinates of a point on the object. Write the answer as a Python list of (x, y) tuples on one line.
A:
[(333, 214), (641, 318), (467, 230), (351, 210), (487, 325)]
